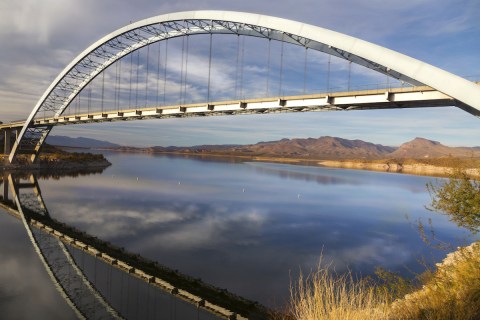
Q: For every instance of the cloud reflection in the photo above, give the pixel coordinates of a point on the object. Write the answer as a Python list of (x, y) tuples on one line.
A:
[(26, 291), (246, 229)]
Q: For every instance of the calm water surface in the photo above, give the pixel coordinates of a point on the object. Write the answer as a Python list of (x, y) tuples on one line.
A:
[(247, 227)]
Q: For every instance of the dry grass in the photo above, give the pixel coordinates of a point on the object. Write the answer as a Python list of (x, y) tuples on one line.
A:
[(324, 295), (451, 292)]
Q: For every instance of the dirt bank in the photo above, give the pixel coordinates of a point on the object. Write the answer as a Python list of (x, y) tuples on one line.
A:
[(417, 168)]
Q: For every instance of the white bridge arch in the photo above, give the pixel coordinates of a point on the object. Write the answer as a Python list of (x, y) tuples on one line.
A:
[(100, 55)]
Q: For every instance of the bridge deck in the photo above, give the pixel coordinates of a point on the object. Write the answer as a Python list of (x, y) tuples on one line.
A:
[(407, 97)]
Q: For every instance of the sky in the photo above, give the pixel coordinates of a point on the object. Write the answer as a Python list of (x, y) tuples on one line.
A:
[(39, 38)]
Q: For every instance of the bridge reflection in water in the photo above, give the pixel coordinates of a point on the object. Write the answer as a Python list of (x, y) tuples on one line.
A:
[(101, 281)]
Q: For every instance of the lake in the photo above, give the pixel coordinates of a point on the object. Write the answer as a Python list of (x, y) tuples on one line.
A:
[(248, 227)]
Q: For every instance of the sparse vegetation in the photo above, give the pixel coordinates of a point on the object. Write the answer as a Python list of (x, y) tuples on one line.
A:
[(71, 157), (326, 295), (459, 198), (452, 291)]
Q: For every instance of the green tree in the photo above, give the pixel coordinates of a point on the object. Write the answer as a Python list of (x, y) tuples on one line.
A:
[(459, 198)]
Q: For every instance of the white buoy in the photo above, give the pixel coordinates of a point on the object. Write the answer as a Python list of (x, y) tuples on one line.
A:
[(179, 183), (137, 178), (243, 190), (298, 196)]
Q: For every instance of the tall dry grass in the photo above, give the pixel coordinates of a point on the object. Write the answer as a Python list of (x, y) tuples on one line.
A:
[(452, 291), (326, 295)]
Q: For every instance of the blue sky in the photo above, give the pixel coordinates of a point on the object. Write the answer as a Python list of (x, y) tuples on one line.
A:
[(39, 38)]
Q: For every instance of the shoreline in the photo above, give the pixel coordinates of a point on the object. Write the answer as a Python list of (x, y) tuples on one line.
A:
[(60, 163), (401, 166), (420, 169)]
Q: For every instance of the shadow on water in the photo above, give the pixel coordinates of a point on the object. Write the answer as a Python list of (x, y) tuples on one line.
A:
[(101, 281)]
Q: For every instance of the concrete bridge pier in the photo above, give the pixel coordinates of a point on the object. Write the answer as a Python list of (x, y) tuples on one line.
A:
[(7, 136), (5, 186)]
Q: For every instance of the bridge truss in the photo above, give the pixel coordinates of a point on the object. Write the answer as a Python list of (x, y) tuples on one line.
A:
[(99, 56)]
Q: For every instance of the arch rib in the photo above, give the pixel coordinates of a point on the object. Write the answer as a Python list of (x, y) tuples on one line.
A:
[(96, 58)]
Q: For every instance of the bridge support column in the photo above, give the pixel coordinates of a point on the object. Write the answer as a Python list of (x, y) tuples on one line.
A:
[(5, 187), (6, 144)]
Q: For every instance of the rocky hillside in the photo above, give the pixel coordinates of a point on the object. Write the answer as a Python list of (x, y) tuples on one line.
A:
[(423, 148), (323, 147)]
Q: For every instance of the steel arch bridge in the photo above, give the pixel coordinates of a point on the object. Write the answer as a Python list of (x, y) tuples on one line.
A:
[(445, 88)]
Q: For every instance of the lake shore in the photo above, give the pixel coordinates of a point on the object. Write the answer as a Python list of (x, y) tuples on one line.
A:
[(435, 167), (395, 167), (57, 162)]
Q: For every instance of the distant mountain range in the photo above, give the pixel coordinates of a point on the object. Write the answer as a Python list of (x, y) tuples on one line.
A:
[(338, 148), (328, 148), (323, 147)]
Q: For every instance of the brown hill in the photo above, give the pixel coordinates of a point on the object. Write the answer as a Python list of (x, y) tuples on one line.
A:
[(323, 147), (326, 148), (424, 148)]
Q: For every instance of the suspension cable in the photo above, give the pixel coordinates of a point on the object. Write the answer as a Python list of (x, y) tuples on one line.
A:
[(79, 102), (131, 76), (236, 66), (138, 75), (281, 67), (305, 71), (119, 83), (180, 92), (89, 99), (242, 65), (388, 78), (103, 87), (115, 89), (349, 74), (146, 78), (165, 73), (186, 72), (158, 71), (77, 105), (328, 73), (209, 68), (268, 65)]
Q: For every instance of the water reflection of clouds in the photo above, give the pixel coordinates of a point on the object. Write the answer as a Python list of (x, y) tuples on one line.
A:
[(243, 226), (188, 225), (246, 249), (26, 291)]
